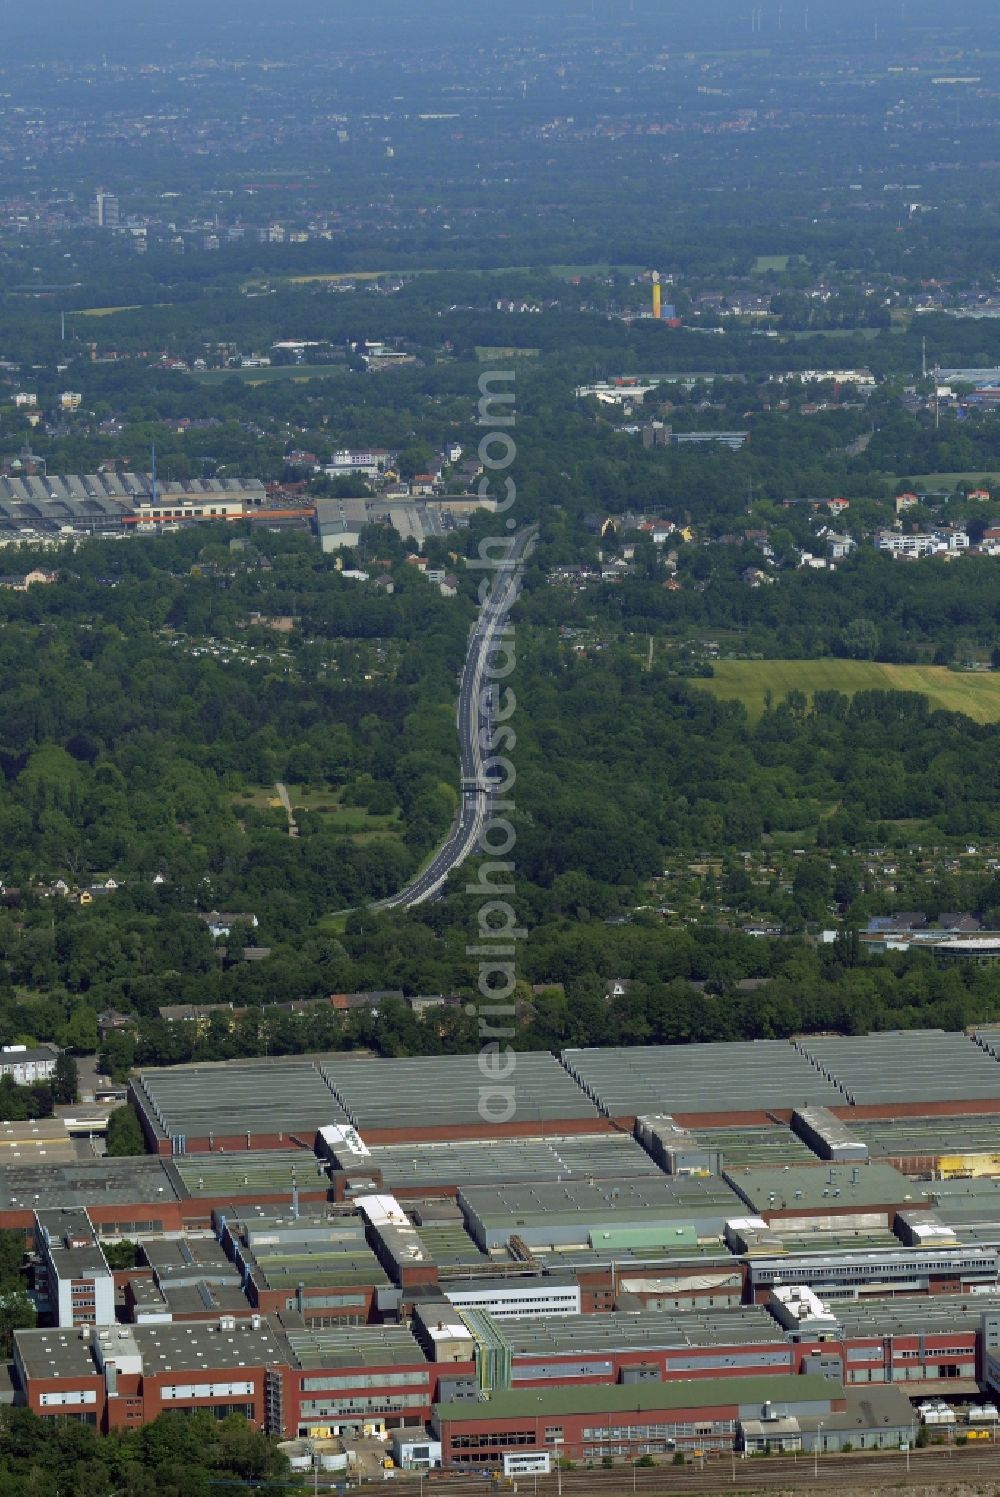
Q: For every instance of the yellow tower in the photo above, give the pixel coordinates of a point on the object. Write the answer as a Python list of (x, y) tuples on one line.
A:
[(656, 294)]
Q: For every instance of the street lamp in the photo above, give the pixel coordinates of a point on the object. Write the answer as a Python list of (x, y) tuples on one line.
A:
[(557, 1442), (819, 1437)]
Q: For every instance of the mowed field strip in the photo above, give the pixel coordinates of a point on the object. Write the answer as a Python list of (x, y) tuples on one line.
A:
[(748, 681)]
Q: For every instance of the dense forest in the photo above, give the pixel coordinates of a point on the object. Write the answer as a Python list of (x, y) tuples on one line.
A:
[(178, 1455), (146, 720), (810, 203)]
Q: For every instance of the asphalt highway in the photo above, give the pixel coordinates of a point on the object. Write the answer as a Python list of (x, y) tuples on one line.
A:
[(472, 727)]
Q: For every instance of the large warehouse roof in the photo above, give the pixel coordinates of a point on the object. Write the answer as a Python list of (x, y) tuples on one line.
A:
[(923, 1139), (634, 1398), (245, 1172), (450, 1091), (927, 1065), (823, 1187), (229, 1098), (601, 1156), (353, 1346), (748, 1076), (87, 1183), (544, 1335)]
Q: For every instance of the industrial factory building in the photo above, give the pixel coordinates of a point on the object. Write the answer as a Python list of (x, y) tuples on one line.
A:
[(734, 1248), (59, 506)]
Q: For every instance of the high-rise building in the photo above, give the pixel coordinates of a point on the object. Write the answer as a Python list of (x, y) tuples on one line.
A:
[(74, 1272), (104, 210)]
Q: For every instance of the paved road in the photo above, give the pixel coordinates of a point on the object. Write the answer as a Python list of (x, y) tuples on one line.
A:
[(282, 794), (475, 792)]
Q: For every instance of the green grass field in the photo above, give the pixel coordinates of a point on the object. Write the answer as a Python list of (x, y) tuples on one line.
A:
[(106, 311), (950, 480), (747, 681), (354, 821), (337, 275), (770, 262), (487, 355), (299, 373)]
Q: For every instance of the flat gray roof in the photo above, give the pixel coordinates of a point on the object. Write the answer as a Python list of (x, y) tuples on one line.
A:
[(451, 1247), (935, 1314), (929, 1138), (601, 1203), (354, 1346), (970, 1207), (756, 1144), (187, 1346), (176, 1348), (645, 1259), (55, 1353), (283, 1252), (223, 1297), (745, 1076), (250, 1172), (930, 1065), (824, 1187), (88, 1182), (602, 1156), (538, 1336), (445, 1091), (182, 1259)]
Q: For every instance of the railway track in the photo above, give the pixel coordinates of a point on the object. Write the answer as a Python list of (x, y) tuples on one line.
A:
[(932, 1467)]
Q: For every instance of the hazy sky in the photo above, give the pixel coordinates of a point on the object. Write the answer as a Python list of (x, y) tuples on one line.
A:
[(131, 28)]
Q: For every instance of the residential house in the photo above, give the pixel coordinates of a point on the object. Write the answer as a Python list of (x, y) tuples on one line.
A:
[(348, 1001), (838, 546), (422, 1002), (220, 923), (198, 1014), (25, 1064), (20, 584), (113, 1019)]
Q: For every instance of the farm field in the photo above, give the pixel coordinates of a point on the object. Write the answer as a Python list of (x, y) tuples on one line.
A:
[(978, 696)]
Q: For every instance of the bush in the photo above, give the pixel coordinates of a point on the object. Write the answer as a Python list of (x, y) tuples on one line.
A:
[(124, 1134), (678, 1459)]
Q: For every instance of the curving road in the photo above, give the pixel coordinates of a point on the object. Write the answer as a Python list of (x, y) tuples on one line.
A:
[(475, 789)]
